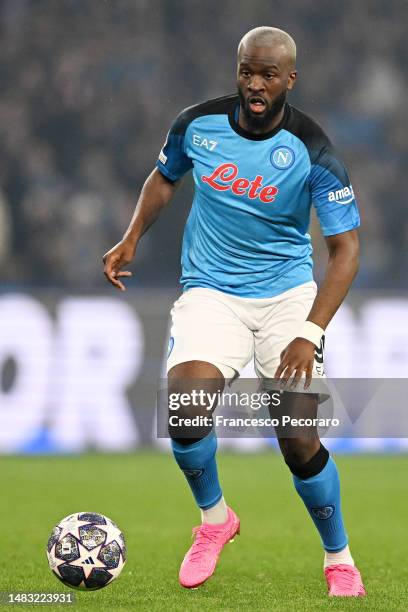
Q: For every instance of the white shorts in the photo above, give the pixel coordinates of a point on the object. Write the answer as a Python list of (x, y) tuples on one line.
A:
[(228, 331)]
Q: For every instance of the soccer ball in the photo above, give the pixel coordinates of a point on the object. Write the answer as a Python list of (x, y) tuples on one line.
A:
[(86, 550)]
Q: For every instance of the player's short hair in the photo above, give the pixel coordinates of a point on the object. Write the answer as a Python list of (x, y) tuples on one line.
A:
[(267, 35)]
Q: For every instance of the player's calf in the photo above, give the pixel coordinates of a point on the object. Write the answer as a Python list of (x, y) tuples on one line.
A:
[(194, 447), (317, 483)]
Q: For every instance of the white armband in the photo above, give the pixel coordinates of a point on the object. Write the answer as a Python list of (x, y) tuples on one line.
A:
[(312, 332)]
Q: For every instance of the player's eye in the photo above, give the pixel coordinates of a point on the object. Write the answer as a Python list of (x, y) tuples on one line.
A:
[(245, 73), (270, 76)]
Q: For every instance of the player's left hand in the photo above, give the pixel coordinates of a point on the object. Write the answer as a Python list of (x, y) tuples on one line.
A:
[(295, 360)]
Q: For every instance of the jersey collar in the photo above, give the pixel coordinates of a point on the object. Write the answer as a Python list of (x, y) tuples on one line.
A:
[(233, 121)]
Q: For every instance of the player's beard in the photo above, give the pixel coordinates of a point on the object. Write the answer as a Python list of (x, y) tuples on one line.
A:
[(261, 122)]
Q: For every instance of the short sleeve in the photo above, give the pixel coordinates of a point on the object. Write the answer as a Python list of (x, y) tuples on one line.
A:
[(332, 193), (173, 161)]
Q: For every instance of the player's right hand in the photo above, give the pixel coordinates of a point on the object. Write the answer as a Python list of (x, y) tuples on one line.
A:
[(115, 259)]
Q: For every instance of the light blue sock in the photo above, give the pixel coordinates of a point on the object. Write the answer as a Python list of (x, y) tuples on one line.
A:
[(197, 461), (321, 496)]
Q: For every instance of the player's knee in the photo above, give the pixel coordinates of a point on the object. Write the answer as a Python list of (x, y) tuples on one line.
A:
[(195, 370), (189, 425), (296, 451), (190, 413), (193, 391), (305, 457)]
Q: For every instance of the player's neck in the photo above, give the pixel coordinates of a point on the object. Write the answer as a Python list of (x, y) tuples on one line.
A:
[(271, 125)]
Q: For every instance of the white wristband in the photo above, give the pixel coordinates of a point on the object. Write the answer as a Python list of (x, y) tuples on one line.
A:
[(312, 332)]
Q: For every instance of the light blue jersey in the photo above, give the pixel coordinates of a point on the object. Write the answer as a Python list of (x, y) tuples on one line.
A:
[(247, 232)]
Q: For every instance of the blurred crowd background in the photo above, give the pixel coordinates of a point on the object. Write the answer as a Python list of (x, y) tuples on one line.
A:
[(89, 89)]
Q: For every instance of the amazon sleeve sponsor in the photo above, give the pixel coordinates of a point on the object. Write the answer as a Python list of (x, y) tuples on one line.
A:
[(332, 194)]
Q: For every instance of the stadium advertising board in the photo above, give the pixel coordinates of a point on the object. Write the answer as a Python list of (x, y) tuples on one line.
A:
[(82, 372)]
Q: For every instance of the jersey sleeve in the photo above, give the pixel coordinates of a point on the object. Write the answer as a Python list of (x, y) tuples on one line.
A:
[(173, 161), (331, 191)]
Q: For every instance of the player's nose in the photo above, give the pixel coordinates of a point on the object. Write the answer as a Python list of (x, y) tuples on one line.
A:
[(256, 84)]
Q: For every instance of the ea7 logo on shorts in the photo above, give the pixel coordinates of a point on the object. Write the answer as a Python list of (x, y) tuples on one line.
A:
[(282, 158), (342, 196), (225, 178), (323, 513)]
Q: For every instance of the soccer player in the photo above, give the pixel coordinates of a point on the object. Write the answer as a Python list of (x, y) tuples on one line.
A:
[(248, 291)]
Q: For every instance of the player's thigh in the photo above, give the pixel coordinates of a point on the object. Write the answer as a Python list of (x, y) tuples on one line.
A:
[(206, 328), (282, 324)]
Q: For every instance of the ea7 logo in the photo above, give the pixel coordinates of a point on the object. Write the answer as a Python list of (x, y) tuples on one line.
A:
[(204, 142), (342, 196)]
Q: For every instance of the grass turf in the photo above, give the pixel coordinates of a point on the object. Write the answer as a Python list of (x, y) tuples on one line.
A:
[(274, 565)]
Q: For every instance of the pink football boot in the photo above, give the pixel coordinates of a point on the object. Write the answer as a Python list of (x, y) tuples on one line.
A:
[(344, 581), (200, 560)]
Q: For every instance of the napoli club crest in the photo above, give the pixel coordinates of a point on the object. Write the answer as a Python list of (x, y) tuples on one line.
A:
[(282, 158), (323, 513)]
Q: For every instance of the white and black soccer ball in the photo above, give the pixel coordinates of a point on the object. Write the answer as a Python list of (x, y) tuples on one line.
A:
[(86, 550)]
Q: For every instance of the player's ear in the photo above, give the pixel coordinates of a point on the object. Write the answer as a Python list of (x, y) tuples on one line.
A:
[(291, 79)]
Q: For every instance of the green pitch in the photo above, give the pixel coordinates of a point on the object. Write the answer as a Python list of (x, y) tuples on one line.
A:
[(274, 565)]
